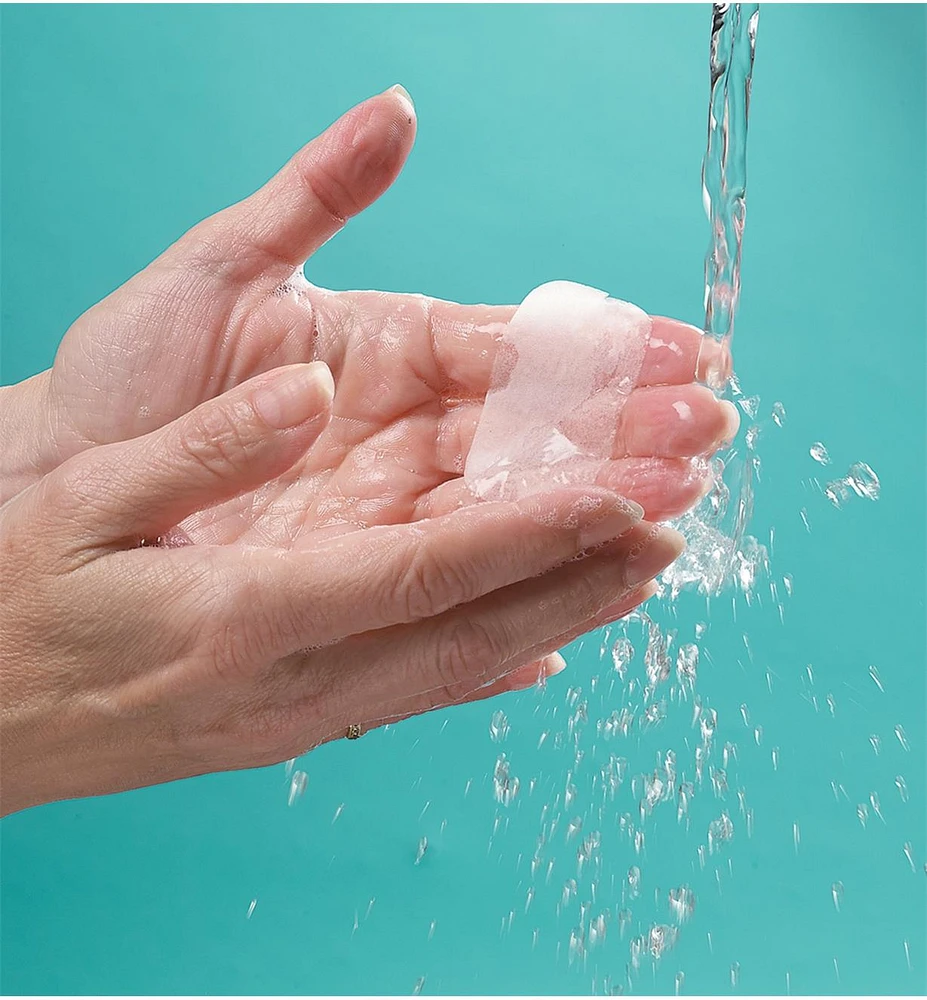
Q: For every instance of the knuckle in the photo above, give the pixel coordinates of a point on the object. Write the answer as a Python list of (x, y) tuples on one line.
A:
[(217, 439), (431, 583), (465, 652), (325, 187)]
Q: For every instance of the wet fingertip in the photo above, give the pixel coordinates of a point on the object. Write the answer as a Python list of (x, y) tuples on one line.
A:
[(731, 421), (553, 664)]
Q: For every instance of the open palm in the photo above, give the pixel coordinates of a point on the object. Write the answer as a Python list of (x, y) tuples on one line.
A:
[(228, 301)]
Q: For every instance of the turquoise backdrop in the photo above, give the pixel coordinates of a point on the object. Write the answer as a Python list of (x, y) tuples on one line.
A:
[(554, 142)]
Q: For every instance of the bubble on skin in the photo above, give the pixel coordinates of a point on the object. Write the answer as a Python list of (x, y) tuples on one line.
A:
[(683, 410), (819, 453)]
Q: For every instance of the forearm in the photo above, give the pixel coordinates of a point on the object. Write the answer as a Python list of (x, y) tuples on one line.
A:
[(27, 437)]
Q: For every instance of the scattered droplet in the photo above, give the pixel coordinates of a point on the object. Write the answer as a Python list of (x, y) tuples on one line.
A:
[(297, 786), (876, 805), (504, 785), (902, 737), (863, 481), (819, 453), (338, 812), (907, 953), (735, 974), (875, 741), (622, 654), (251, 908), (836, 892), (498, 727), (431, 929), (909, 854), (680, 982), (419, 984), (862, 814), (902, 787), (874, 674), (720, 831), (682, 903), (775, 758), (796, 836), (422, 850), (803, 514)]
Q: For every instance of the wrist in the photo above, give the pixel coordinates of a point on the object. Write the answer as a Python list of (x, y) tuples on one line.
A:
[(28, 450)]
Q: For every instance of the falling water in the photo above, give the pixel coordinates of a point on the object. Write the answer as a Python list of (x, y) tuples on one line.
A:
[(719, 550), (724, 169)]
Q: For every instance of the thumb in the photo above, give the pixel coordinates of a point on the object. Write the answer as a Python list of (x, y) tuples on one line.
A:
[(328, 181), (226, 446)]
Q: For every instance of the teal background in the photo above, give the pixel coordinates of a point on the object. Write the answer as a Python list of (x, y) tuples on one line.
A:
[(554, 142)]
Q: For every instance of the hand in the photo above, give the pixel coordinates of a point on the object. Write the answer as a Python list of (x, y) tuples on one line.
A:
[(223, 305), (127, 664)]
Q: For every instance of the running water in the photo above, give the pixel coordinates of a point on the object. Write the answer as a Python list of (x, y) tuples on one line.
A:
[(719, 550)]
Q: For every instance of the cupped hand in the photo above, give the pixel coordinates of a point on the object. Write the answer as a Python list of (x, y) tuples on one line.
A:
[(126, 663), (228, 301)]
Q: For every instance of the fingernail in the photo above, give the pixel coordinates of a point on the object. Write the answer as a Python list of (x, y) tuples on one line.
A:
[(404, 96), (653, 554), (612, 516), (552, 664), (731, 420), (295, 394)]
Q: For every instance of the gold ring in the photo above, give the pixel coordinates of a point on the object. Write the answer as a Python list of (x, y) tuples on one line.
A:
[(354, 732)]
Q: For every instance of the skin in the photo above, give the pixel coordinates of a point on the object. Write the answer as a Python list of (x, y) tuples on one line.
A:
[(321, 562)]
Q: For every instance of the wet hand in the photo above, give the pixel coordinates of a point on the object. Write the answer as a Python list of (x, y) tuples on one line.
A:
[(126, 664), (228, 302)]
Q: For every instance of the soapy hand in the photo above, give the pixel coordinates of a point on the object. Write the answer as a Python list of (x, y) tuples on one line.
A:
[(191, 406), (126, 664), (228, 301)]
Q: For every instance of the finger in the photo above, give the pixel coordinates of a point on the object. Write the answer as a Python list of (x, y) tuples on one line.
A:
[(466, 340), (403, 573), (235, 442), (467, 647), (672, 422), (333, 178)]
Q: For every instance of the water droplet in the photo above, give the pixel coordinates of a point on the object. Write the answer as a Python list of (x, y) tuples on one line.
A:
[(419, 984), (251, 908), (498, 727), (505, 787), (622, 654), (682, 903), (624, 919), (634, 881), (290, 764), (338, 812), (875, 742), (902, 737), (909, 854), (745, 714), (735, 974), (907, 953), (836, 892), (680, 982), (902, 787), (758, 735), (749, 818), (787, 583), (775, 758), (863, 481), (796, 836), (661, 938), (431, 929), (874, 674), (750, 405), (831, 704), (297, 786), (687, 666), (819, 453), (803, 514), (422, 850), (720, 831), (862, 814), (778, 414)]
